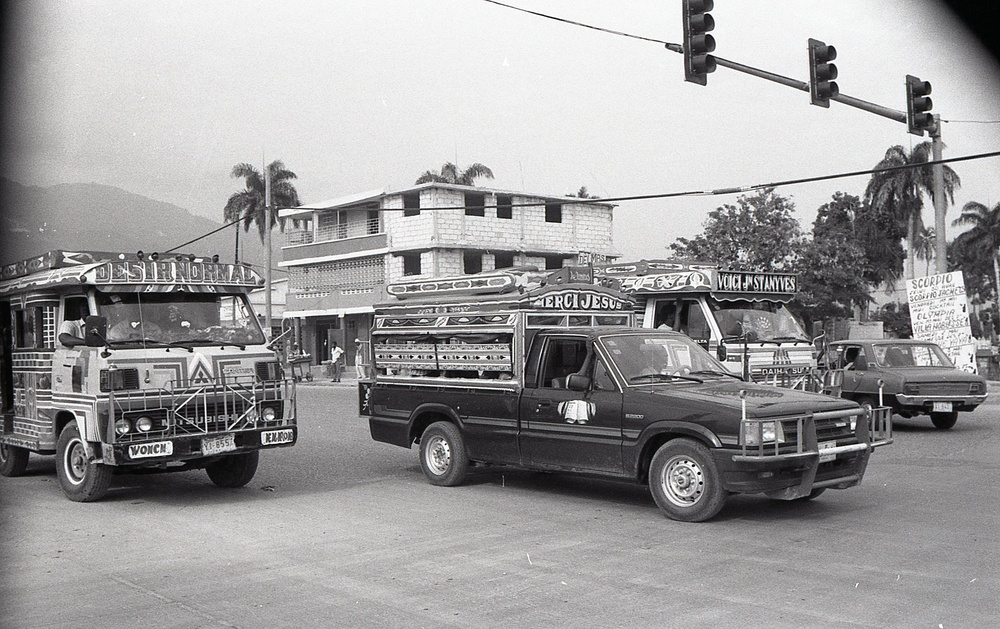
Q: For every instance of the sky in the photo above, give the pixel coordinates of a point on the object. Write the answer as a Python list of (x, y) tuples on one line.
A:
[(163, 99)]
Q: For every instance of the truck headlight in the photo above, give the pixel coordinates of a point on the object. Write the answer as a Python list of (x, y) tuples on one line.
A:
[(122, 426), (268, 414), (756, 433), (144, 424)]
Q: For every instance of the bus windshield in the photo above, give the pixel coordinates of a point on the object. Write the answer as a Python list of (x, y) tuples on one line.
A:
[(759, 321), (184, 318)]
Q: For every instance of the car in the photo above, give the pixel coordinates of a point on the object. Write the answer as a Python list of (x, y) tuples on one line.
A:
[(916, 378)]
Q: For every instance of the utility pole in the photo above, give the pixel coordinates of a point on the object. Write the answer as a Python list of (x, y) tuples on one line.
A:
[(937, 172), (267, 273)]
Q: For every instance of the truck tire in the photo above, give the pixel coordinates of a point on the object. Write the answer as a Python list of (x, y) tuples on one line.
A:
[(944, 421), (81, 480), (442, 455), (13, 460), (684, 481), (235, 470)]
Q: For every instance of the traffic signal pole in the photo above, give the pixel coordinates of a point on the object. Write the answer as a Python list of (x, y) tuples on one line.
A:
[(937, 179)]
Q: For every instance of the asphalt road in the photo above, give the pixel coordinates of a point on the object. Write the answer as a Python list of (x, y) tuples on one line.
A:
[(340, 531)]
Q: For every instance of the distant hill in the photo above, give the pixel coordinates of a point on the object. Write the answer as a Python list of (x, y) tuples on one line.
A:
[(94, 217)]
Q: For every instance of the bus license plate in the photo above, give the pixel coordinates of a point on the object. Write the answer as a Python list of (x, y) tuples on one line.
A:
[(942, 407), (276, 437), (218, 445), (827, 445)]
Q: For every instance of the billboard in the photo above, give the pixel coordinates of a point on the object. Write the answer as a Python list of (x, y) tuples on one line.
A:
[(939, 312)]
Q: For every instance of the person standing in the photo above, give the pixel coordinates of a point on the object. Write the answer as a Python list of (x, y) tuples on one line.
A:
[(359, 359), (336, 353)]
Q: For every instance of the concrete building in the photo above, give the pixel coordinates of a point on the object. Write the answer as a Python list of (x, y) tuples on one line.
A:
[(341, 253)]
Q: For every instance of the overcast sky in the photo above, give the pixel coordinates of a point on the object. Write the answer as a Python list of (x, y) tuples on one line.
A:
[(163, 99)]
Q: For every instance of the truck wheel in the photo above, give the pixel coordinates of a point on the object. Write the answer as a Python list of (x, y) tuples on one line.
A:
[(235, 470), (685, 482), (944, 421), (13, 460), (81, 480), (442, 454)]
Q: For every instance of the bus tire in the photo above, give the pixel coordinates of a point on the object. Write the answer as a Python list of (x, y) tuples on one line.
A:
[(81, 480), (235, 470), (13, 460)]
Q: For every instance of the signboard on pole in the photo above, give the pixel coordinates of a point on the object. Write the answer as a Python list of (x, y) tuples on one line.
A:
[(939, 312)]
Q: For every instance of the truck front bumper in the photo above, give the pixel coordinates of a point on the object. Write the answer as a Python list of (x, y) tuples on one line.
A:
[(172, 449)]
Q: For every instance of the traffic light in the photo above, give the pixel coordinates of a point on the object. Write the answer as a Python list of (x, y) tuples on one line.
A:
[(697, 42), (822, 73), (918, 104)]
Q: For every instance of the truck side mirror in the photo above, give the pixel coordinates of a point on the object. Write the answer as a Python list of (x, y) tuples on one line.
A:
[(577, 382), (721, 353), (95, 331)]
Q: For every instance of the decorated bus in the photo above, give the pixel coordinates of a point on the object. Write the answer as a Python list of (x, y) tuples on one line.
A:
[(740, 316), (135, 362)]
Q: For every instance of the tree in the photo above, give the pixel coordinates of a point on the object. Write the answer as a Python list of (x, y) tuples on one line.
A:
[(831, 266), (899, 193), (981, 242), (450, 174), (582, 193), (248, 205), (759, 233), (924, 248)]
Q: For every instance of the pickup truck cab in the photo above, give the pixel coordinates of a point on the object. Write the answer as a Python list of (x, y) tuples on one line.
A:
[(638, 405)]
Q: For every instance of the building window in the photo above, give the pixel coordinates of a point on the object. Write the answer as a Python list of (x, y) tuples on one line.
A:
[(504, 259), (373, 222), (475, 204), (505, 208), (553, 212), (411, 264), (411, 204), (553, 262), (472, 262)]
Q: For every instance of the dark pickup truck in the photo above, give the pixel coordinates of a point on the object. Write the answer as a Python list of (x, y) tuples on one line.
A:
[(639, 405)]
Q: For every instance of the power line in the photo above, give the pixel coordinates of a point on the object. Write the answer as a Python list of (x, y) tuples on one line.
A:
[(575, 23)]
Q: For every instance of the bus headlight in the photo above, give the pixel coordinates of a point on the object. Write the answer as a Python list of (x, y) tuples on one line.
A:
[(268, 414), (144, 424), (122, 426)]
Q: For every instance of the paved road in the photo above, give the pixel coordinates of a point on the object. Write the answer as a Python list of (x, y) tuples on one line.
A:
[(340, 531)]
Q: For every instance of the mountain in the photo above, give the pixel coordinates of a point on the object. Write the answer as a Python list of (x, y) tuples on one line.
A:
[(94, 217)]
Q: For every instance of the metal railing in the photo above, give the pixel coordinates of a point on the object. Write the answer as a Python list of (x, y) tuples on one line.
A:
[(334, 231)]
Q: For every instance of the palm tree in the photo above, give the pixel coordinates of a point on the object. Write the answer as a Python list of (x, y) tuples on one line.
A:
[(924, 249), (899, 192), (984, 237), (248, 205), (449, 174)]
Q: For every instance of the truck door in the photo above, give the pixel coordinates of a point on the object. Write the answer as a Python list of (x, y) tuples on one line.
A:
[(566, 429)]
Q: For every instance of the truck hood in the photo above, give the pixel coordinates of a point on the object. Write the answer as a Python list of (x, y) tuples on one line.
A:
[(761, 401)]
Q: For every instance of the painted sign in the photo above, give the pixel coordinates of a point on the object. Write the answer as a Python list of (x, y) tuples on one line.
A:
[(172, 272), (753, 282), (576, 299), (939, 313)]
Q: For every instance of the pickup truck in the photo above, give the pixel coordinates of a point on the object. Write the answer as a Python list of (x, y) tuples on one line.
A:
[(639, 405)]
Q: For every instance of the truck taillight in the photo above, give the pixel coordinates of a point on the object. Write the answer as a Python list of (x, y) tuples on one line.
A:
[(119, 379)]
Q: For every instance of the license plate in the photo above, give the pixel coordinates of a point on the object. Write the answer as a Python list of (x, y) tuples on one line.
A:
[(276, 437), (827, 445), (148, 450), (217, 445), (941, 407)]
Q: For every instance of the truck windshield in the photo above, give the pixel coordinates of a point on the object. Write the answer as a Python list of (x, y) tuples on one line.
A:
[(184, 318), (641, 358), (760, 321)]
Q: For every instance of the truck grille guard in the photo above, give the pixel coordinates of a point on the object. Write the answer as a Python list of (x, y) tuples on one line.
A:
[(804, 433), (231, 404)]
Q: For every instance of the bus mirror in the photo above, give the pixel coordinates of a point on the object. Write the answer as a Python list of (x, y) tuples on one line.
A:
[(721, 353), (95, 331)]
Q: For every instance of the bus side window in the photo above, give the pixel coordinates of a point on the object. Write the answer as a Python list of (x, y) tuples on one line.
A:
[(27, 328), (693, 321), (665, 314)]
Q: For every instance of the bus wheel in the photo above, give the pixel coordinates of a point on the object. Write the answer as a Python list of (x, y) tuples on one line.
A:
[(235, 470), (81, 480), (13, 460)]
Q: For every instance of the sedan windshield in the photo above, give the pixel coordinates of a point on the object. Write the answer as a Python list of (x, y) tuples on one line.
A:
[(910, 355), (179, 318), (645, 358)]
